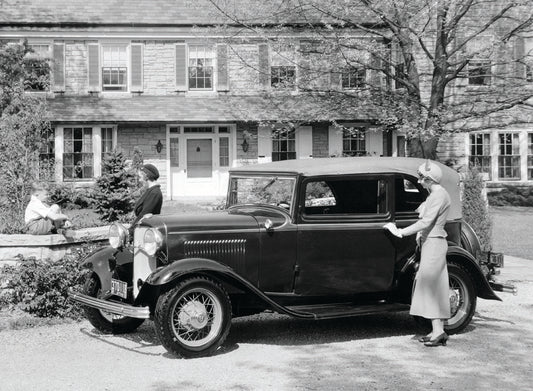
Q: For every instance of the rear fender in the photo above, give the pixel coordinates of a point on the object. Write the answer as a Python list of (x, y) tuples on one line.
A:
[(464, 258), (104, 260), (169, 275)]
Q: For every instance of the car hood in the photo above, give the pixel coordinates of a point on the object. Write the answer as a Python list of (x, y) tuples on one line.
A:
[(216, 221)]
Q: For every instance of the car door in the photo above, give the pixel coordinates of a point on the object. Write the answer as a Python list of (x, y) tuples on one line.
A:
[(342, 247)]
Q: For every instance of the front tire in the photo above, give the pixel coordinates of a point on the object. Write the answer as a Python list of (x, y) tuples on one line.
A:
[(104, 321), (193, 318)]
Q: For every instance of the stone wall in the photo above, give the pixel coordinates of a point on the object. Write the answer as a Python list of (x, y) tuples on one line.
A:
[(76, 79), (159, 71), (52, 247), (145, 138)]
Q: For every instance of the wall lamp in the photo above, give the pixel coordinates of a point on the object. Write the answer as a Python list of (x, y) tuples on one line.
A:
[(244, 146), (158, 146)]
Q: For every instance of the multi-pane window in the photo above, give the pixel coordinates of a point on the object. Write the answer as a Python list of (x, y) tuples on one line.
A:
[(38, 67), (353, 142), (283, 145), (78, 153), (353, 78), (201, 59), (198, 129), (480, 152), (114, 68), (399, 72), (283, 76), (530, 156), (47, 155), (107, 141), (479, 72), (509, 158), (224, 151), (174, 152)]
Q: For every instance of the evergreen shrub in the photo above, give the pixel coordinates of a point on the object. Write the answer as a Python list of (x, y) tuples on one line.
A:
[(476, 209), (113, 192)]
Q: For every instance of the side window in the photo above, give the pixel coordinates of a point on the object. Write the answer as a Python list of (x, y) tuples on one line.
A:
[(361, 196), (409, 195)]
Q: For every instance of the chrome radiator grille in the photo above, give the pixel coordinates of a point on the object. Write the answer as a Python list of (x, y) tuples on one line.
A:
[(143, 265), (233, 250)]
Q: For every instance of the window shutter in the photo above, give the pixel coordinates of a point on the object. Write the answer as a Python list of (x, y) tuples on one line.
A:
[(181, 67), (136, 67), (59, 67), (377, 77), (335, 141), (222, 68), (94, 67), (264, 65), (519, 57), (304, 140)]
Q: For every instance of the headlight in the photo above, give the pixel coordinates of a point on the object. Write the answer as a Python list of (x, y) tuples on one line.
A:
[(152, 241), (118, 235)]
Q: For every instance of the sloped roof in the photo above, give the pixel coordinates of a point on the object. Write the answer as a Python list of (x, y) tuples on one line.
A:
[(155, 12), (201, 109)]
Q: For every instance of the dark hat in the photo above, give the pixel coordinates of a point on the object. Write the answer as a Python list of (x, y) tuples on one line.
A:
[(151, 171)]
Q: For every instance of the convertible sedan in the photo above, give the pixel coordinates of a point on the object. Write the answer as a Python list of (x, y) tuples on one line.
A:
[(302, 237)]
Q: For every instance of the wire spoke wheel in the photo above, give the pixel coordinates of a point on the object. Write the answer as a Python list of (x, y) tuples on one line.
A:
[(197, 317), (193, 318), (462, 296)]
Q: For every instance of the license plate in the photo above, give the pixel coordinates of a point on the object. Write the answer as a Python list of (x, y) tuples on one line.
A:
[(119, 288)]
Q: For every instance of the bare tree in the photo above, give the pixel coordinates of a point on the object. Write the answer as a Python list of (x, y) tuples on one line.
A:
[(432, 67)]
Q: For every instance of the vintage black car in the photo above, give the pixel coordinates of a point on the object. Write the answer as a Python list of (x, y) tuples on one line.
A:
[(303, 238)]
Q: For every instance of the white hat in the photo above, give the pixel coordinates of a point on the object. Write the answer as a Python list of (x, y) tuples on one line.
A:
[(430, 170)]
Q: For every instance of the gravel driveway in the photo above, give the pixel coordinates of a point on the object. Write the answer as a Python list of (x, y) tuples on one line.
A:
[(273, 352)]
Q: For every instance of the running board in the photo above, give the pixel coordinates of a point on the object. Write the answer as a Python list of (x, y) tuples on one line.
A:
[(341, 310)]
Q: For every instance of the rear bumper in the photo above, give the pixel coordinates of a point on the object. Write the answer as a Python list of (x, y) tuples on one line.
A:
[(111, 306)]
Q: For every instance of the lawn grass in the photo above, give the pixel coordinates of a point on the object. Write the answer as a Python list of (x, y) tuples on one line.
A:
[(511, 230)]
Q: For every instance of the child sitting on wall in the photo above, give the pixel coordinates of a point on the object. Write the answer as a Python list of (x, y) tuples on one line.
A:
[(40, 218)]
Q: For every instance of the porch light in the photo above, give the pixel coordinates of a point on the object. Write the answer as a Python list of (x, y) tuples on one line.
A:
[(245, 146), (158, 146)]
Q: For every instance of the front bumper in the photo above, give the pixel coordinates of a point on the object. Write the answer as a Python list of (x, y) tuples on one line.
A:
[(112, 307)]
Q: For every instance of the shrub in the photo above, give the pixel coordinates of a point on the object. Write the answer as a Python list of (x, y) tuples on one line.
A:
[(69, 197), (512, 196), (39, 287), (475, 208), (113, 194)]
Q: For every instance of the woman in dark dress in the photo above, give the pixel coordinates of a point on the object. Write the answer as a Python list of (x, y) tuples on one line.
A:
[(151, 200)]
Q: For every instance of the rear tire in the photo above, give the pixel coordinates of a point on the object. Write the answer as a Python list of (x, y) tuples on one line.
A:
[(463, 300), (103, 321), (193, 318)]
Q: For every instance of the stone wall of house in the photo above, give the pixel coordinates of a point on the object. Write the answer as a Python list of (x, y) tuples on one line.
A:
[(76, 78), (320, 139), (145, 138), (158, 67), (243, 63), (451, 150)]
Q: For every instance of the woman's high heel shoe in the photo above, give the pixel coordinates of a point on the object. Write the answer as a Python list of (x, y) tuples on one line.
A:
[(440, 340)]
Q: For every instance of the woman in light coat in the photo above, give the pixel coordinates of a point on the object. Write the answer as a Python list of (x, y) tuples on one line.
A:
[(431, 290)]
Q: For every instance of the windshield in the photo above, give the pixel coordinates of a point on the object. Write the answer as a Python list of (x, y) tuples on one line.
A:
[(272, 190)]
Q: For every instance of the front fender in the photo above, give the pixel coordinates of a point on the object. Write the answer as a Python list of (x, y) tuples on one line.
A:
[(103, 262), (194, 266), (464, 258)]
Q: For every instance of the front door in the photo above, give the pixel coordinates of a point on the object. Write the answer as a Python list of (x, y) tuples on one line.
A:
[(199, 160)]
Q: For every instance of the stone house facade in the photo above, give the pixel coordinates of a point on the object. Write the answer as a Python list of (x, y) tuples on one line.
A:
[(159, 79)]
